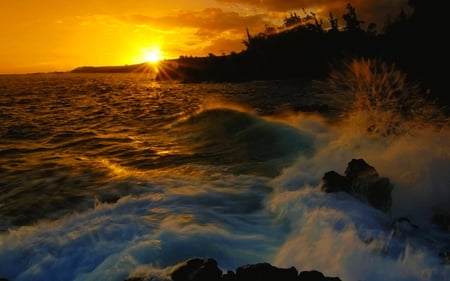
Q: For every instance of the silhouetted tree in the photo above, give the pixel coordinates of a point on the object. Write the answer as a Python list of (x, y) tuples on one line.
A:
[(372, 28), (353, 24), (269, 30), (292, 20), (333, 23), (317, 26)]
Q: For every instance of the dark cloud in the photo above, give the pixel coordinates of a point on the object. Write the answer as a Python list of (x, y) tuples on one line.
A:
[(375, 11)]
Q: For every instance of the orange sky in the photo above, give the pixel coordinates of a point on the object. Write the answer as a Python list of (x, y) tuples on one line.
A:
[(59, 35)]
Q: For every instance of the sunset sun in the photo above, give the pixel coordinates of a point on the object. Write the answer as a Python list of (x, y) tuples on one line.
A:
[(153, 55)]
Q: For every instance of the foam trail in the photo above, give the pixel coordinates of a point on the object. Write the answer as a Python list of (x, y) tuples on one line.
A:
[(170, 223)]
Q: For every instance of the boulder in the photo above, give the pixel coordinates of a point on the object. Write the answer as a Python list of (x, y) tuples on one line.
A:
[(229, 276), (206, 269), (358, 169), (315, 275), (312, 275), (197, 269), (441, 218), (334, 182), (265, 272), (379, 193), (445, 257), (362, 181)]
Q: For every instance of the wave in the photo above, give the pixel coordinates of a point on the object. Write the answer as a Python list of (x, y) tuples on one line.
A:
[(228, 136)]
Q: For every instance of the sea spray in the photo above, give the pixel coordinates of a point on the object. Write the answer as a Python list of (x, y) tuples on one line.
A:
[(378, 99), (382, 119)]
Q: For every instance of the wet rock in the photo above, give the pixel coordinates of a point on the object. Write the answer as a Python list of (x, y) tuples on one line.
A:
[(312, 275), (358, 169), (442, 219), (206, 269), (265, 272), (334, 182), (315, 275), (197, 269), (362, 181), (229, 276), (377, 192), (444, 255)]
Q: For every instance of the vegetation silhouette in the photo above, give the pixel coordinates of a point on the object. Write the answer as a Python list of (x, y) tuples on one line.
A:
[(303, 49), (300, 49), (376, 98)]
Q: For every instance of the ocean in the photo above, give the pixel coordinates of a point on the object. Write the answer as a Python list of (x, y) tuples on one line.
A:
[(110, 176)]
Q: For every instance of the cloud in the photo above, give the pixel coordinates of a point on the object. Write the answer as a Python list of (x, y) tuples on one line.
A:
[(376, 11), (199, 32), (206, 20)]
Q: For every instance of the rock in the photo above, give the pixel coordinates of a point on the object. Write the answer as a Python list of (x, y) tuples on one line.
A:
[(265, 272), (312, 275), (379, 194), (358, 169), (197, 269), (444, 255), (362, 181), (442, 219), (334, 182), (315, 275), (229, 276)]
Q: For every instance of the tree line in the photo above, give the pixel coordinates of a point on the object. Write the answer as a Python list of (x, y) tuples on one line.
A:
[(305, 48)]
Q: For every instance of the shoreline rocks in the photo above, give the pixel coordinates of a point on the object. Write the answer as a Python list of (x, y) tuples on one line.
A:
[(206, 269), (363, 182)]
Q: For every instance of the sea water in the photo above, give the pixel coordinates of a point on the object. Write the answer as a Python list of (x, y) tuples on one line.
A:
[(110, 176)]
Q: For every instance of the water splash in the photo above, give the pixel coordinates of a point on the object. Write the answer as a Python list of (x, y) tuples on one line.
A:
[(378, 99)]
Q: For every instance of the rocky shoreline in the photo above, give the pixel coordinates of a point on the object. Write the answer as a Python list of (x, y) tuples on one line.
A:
[(207, 269)]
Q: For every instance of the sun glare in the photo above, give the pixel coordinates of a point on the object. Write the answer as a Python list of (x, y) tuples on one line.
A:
[(153, 56)]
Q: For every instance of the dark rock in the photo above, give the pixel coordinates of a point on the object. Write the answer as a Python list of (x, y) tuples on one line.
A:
[(197, 269), (445, 257), (379, 194), (265, 272), (229, 276), (312, 275), (441, 218), (358, 169), (334, 182), (362, 181), (4, 279), (315, 275)]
